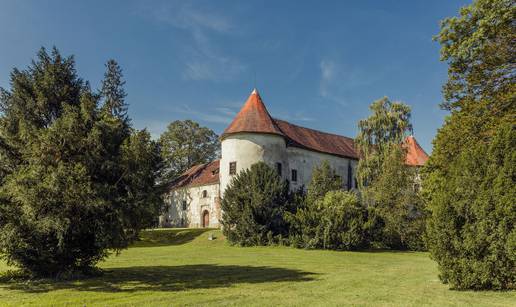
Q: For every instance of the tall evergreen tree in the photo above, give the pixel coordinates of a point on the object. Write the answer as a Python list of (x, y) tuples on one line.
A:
[(469, 181), (74, 185), (113, 90)]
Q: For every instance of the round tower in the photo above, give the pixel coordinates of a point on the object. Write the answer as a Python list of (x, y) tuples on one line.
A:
[(252, 137)]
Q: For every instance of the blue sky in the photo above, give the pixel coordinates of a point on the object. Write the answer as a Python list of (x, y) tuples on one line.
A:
[(318, 64)]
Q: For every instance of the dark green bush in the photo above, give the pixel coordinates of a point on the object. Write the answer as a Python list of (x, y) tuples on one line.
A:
[(253, 207), (472, 229)]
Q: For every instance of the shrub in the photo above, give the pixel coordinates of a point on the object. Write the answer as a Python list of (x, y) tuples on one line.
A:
[(327, 217), (472, 227), (253, 206)]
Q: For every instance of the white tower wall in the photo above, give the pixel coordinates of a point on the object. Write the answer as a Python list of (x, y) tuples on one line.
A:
[(247, 149)]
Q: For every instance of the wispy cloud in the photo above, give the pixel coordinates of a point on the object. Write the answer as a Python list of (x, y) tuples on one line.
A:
[(203, 59), (295, 117), (219, 115), (337, 80)]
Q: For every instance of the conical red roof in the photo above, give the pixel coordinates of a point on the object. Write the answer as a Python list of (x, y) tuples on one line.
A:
[(416, 156), (253, 117)]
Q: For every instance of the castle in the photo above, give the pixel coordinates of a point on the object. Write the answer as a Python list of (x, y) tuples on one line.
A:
[(253, 136)]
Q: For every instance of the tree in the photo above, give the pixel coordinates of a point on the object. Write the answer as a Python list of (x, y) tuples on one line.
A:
[(469, 179), (70, 191), (253, 206), (185, 144), (113, 91), (324, 179), (305, 228), (386, 183)]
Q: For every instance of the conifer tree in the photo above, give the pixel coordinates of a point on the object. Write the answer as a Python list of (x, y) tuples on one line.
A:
[(469, 181), (74, 184), (113, 90), (253, 206)]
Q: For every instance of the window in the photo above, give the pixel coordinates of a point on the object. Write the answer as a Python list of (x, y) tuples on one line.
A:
[(183, 205), (294, 175), (232, 168), (350, 175), (204, 194), (278, 168)]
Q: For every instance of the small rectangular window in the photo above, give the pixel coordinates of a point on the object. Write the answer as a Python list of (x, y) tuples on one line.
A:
[(232, 168), (204, 194), (294, 175), (183, 205), (278, 168)]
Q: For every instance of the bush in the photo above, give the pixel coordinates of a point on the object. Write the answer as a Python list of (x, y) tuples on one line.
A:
[(327, 217), (253, 206), (472, 228)]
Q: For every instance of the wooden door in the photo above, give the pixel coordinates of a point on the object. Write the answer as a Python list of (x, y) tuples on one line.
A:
[(205, 219)]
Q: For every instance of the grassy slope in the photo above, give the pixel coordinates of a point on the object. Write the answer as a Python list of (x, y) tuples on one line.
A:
[(182, 267)]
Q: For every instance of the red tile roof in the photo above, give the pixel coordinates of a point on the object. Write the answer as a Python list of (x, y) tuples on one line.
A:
[(201, 174), (416, 156), (302, 137), (253, 117)]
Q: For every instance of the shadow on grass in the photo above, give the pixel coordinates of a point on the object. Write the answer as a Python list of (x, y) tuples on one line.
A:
[(166, 237), (164, 278)]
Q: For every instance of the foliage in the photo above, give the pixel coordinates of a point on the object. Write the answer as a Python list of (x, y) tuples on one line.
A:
[(327, 218), (397, 204), (324, 179), (388, 125), (113, 91), (73, 185), (387, 185), (185, 144), (253, 206), (469, 179)]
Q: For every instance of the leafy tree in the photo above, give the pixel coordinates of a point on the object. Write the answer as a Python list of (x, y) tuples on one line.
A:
[(386, 183), (305, 228), (388, 125), (253, 206), (185, 144), (324, 179), (70, 192), (469, 179)]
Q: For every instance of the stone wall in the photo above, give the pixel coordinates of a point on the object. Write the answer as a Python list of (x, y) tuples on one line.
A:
[(196, 204)]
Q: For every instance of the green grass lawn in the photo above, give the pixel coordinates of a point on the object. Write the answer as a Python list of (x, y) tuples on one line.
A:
[(183, 267)]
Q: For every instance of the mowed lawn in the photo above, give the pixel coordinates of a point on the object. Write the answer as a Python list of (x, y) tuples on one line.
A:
[(182, 267)]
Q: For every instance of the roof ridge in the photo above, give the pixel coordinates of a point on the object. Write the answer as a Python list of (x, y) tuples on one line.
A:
[(319, 131)]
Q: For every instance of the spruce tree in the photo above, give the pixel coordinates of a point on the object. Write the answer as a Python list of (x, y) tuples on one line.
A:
[(113, 90), (74, 185)]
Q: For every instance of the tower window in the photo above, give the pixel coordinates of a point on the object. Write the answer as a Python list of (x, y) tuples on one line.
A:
[(294, 175), (183, 205), (278, 168), (204, 194), (232, 168)]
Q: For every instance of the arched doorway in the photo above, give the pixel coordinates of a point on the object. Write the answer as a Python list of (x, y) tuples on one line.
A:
[(205, 219)]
